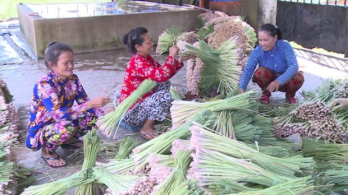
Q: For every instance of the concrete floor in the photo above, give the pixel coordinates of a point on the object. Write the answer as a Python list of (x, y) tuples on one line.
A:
[(98, 72)]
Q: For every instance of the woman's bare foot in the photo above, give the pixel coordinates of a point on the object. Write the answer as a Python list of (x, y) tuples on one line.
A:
[(53, 159), (148, 131)]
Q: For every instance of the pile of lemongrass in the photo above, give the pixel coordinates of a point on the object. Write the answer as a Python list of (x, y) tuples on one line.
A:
[(126, 147), (221, 69), (181, 111), (289, 166), (163, 143), (297, 186), (177, 176), (108, 122), (161, 167), (325, 154), (337, 177)]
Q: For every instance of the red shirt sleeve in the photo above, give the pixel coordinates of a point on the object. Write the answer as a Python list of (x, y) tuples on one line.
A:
[(149, 69)]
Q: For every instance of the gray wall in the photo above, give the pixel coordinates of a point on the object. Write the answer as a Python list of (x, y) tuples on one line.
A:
[(89, 34), (314, 25)]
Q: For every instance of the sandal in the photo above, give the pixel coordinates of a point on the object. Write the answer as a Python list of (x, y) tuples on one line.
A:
[(264, 100), (146, 135), (72, 145), (292, 100), (52, 158)]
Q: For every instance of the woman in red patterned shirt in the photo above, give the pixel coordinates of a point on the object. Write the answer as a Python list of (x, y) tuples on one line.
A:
[(154, 105)]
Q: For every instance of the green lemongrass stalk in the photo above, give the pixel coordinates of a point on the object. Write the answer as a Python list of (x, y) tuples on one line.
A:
[(6, 171), (177, 176), (181, 111), (337, 177), (175, 94), (298, 186), (90, 148), (288, 167), (59, 187), (226, 187), (119, 184), (118, 167), (108, 122), (188, 187), (163, 143), (325, 154), (221, 67), (161, 159), (204, 32), (126, 147), (210, 167), (168, 38), (224, 125)]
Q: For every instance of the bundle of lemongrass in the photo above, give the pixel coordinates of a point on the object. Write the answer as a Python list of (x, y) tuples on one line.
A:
[(337, 177), (188, 187), (163, 143), (179, 144), (90, 149), (168, 38), (297, 186), (289, 166), (181, 111), (326, 155), (220, 68), (126, 147), (177, 176), (118, 184), (161, 167), (108, 122), (118, 167)]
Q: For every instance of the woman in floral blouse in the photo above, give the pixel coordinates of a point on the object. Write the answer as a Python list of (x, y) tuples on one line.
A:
[(54, 119), (154, 105)]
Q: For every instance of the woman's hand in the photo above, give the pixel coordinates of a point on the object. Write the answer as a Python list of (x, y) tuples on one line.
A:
[(173, 51), (274, 86), (241, 91), (339, 103), (97, 102)]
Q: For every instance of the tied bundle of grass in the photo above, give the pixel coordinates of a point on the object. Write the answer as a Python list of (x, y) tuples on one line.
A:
[(182, 161), (161, 166), (180, 144), (297, 186), (118, 184), (59, 187), (188, 187), (220, 69), (181, 111), (126, 147), (108, 122), (118, 167), (337, 177), (163, 143), (251, 35), (6, 174), (167, 39), (203, 18), (326, 155), (202, 138), (90, 149)]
